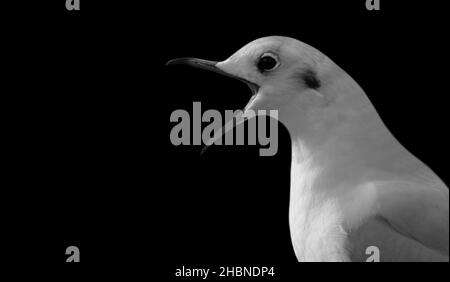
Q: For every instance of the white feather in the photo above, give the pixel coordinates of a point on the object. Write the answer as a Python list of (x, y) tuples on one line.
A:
[(353, 185)]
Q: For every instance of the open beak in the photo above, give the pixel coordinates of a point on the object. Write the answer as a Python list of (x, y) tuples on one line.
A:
[(210, 66)]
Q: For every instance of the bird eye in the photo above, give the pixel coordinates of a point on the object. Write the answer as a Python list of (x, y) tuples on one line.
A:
[(267, 62)]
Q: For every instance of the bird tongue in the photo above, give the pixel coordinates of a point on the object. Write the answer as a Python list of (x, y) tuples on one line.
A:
[(250, 102), (240, 118)]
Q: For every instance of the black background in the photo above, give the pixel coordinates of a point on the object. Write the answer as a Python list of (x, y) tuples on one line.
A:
[(87, 106)]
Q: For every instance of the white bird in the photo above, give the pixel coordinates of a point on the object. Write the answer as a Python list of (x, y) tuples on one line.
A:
[(353, 185)]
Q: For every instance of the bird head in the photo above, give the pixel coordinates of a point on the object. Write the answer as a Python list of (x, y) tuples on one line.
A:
[(309, 91)]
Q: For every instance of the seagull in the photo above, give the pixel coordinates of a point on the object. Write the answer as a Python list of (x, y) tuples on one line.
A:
[(354, 187)]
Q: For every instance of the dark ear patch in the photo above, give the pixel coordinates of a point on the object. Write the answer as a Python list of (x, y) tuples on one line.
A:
[(310, 79)]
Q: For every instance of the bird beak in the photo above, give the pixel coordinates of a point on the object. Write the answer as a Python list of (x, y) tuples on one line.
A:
[(211, 66)]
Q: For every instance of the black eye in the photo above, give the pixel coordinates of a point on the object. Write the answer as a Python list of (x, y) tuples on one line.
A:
[(267, 62)]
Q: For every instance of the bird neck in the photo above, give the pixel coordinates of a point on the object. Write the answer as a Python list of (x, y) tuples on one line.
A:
[(338, 145)]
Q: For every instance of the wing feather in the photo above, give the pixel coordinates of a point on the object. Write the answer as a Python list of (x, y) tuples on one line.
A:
[(417, 211)]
